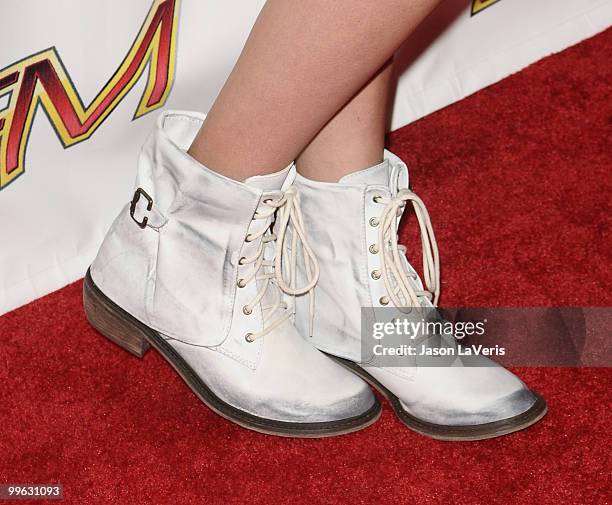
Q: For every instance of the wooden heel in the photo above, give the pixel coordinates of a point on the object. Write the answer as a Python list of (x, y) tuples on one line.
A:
[(111, 321)]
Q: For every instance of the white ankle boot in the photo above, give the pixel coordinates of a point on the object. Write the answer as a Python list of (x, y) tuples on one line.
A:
[(352, 227), (192, 267)]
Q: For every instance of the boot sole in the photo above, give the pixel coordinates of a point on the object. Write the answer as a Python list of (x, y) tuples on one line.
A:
[(135, 337), (451, 433)]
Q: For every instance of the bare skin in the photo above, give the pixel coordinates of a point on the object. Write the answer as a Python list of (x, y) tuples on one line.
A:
[(354, 138), (301, 64)]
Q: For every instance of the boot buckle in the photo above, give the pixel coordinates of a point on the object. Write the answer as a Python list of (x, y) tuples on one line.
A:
[(137, 194)]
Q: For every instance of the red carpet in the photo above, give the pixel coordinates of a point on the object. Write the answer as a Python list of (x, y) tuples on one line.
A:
[(517, 180)]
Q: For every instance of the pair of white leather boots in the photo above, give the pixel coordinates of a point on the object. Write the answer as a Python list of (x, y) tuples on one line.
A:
[(220, 277)]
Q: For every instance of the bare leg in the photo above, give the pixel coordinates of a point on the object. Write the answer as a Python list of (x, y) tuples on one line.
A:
[(302, 62), (354, 138)]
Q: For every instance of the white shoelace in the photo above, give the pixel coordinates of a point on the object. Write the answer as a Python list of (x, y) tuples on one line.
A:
[(287, 206), (400, 282)]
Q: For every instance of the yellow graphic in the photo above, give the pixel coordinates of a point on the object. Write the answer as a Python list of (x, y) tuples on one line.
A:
[(480, 5), (42, 79)]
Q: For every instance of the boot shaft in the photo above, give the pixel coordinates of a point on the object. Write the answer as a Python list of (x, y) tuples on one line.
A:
[(343, 222), (172, 257)]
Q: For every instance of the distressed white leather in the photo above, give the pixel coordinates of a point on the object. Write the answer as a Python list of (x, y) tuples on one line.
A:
[(338, 220), (179, 275)]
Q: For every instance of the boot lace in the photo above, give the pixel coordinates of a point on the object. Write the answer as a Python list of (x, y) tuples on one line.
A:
[(400, 282), (284, 209)]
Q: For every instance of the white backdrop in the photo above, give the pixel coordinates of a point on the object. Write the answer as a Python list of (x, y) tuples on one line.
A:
[(69, 95)]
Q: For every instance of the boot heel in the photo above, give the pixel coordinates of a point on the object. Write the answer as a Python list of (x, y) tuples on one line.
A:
[(108, 320)]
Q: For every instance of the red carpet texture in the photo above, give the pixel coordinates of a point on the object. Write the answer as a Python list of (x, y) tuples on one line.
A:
[(517, 180)]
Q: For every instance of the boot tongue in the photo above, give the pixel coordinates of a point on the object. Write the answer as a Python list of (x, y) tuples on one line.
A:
[(273, 182), (378, 175)]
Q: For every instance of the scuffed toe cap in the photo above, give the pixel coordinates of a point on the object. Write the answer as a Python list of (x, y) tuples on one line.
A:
[(332, 394), (473, 396), (502, 409)]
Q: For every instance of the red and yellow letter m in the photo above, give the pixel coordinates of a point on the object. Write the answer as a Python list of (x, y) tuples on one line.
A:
[(42, 79)]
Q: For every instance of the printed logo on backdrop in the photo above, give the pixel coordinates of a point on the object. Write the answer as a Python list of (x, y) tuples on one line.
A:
[(41, 79), (480, 5)]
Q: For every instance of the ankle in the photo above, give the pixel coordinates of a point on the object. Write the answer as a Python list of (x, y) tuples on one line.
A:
[(334, 168), (237, 162)]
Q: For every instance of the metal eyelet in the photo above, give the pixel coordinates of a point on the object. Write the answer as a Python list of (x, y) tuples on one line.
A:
[(374, 221), (241, 261), (246, 310), (248, 238), (249, 338), (375, 274), (384, 300), (241, 283), (373, 249)]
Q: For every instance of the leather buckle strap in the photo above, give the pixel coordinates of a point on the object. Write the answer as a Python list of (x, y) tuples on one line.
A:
[(138, 193)]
